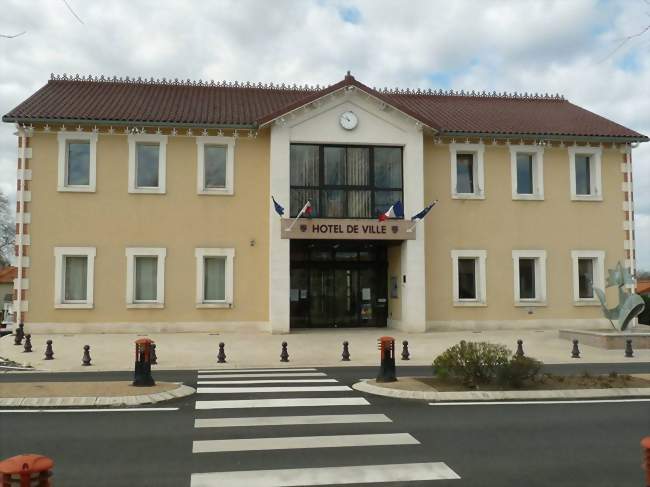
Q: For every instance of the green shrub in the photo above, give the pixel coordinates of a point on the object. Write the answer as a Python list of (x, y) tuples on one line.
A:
[(519, 371), (644, 318), (472, 363)]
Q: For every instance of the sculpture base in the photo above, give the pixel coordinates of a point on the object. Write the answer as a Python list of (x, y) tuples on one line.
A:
[(608, 340)]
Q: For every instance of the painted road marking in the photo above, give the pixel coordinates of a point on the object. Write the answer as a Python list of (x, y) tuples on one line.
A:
[(260, 390), (516, 403), (302, 442), (290, 420), (261, 381), (89, 410), (294, 477), (279, 369), (266, 374), (283, 403)]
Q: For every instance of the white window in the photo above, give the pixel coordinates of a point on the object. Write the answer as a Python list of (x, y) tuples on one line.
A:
[(147, 163), (529, 277), (215, 165), (585, 172), (214, 278), (588, 274), (469, 277), (74, 270), (527, 171), (467, 171), (77, 168), (145, 277)]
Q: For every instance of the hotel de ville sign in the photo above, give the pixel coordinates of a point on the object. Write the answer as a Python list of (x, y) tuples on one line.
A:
[(347, 229)]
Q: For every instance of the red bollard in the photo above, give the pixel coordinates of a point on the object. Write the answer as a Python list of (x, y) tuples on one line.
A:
[(30, 470), (645, 458)]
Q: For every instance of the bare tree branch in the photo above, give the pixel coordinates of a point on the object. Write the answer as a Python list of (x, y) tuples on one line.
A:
[(6, 36), (72, 11), (624, 41)]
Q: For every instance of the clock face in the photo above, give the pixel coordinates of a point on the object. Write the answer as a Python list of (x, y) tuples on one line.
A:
[(348, 120)]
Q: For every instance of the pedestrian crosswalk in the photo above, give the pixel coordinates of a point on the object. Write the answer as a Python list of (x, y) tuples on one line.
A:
[(257, 427)]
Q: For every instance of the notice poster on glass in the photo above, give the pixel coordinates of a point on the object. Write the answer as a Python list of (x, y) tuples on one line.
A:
[(365, 294), (294, 295)]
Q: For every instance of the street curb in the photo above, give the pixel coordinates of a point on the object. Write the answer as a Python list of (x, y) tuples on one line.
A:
[(613, 393), (97, 401)]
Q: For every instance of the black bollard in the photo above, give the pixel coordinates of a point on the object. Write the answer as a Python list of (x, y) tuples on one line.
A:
[(221, 356), (86, 358), (20, 334), (28, 343), (520, 348), (575, 352), (284, 356), (406, 355), (346, 352), (49, 353), (154, 357), (628, 348)]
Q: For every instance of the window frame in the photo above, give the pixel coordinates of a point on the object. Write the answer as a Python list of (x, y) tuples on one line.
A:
[(200, 255), (64, 138), (599, 275), (595, 172), (60, 253), (480, 277), (478, 150), (131, 254), (229, 144), (539, 256), (538, 171), (161, 140)]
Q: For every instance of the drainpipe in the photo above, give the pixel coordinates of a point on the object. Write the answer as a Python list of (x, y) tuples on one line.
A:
[(21, 210)]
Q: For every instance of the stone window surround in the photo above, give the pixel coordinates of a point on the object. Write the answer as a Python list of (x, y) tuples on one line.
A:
[(201, 254), (229, 143), (133, 139), (540, 277), (480, 277), (60, 253), (70, 136), (131, 254)]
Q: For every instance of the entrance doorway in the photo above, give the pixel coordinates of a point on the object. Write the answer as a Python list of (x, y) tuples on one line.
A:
[(338, 284)]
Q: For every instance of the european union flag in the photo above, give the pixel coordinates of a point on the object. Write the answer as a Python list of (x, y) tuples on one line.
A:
[(424, 212), (278, 208)]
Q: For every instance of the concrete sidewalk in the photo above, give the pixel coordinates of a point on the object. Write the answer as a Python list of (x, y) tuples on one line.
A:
[(319, 348)]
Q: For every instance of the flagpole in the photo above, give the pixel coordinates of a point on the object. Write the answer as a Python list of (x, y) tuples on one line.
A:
[(297, 217), (409, 230)]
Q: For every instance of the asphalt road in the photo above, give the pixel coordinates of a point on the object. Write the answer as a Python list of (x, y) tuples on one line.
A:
[(583, 444)]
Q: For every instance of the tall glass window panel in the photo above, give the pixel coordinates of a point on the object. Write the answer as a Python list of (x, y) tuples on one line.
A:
[(527, 279), (299, 197), (359, 204), (385, 199), (358, 166), (146, 278), (467, 279), (214, 279), (147, 165), (465, 173), (388, 167), (304, 165), (333, 203), (334, 166), (586, 278), (78, 164), (76, 275), (583, 174), (525, 173), (214, 162)]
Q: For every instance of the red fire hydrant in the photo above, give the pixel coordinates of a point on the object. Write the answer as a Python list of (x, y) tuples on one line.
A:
[(645, 457), (30, 470)]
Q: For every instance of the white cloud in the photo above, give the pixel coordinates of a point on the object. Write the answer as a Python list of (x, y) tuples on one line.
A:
[(552, 46)]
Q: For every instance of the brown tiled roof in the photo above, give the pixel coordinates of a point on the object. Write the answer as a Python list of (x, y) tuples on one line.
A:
[(8, 274), (643, 286), (248, 105)]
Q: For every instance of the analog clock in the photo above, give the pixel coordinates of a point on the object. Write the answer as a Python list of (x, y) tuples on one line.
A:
[(348, 120)]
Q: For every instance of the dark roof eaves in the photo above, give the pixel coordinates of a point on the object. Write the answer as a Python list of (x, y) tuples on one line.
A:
[(153, 123), (548, 136)]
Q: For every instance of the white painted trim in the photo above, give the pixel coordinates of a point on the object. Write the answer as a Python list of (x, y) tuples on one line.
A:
[(626, 186), (201, 254), (60, 253), (24, 152), (133, 139), (595, 172), (131, 254), (599, 275), (21, 285), (628, 225), (26, 174), (63, 139), (540, 277), (22, 217), (481, 277), (22, 262), (229, 144), (479, 169), (22, 239), (22, 306), (627, 206), (26, 262), (27, 196), (538, 171)]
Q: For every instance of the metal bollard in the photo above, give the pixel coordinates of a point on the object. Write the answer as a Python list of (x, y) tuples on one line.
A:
[(346, 352), (406, 355), (28, 343), (284, 356), (20, 334), (575, 352), (49, 352), (154, 357), (221, 356), (520, 348), (645, 458), (86, 358), (628, 348), (26, 471)]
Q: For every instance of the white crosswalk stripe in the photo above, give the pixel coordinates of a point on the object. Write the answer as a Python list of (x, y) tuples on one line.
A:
[(291, 420), (263, 381), (257, 390), (282, 403), (263, 374), (243, 371)]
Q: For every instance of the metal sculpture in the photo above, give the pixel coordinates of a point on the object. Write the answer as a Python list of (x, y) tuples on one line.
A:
[(630, 305)]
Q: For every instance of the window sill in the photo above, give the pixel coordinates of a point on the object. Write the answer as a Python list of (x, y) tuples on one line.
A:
[(216, 192), (75, 189), (147, 190), (467, 196), (526, 304), (470, 304), (145, 305), (576, 197), (587, 302), (74, 306), (528, 197), (214, 305)]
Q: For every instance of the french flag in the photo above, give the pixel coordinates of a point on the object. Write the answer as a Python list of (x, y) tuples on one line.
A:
[(395, 211)]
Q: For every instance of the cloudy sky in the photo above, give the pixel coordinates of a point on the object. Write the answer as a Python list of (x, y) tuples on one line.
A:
[(571, 47)]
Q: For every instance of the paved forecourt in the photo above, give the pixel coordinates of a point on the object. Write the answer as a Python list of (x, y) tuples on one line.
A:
[(298, 427)]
